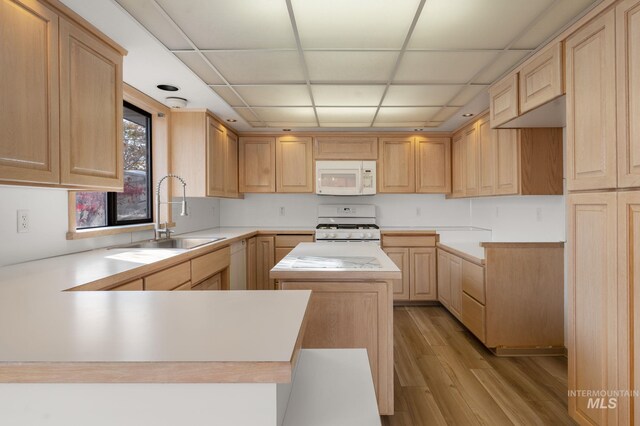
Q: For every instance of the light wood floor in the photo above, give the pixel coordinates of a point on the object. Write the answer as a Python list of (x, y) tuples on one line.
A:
[(444, 376)]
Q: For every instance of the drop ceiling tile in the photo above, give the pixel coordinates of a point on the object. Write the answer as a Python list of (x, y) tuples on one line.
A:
[(237, 24), (345, 114), (405, 114), (353, 24), (441, 67), (405, 124), (467, 94), (554, 19), (473, 24), (247, 114), (348, 66), (150, 17), (295, 124), (286, 114), (415, 95), (228, 96), (276, 95), (445, 113), (256, 67), (352, 124), (200, 67), (346, 95), (502, 64)]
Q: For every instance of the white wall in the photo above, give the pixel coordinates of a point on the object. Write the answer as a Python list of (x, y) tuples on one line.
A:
[(531, 218), (49, 223), (302, 209)]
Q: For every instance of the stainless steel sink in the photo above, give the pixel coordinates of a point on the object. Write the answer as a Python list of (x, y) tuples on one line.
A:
[(169, 243)]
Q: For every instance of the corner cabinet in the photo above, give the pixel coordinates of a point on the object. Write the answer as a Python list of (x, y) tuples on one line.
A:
[(205, 154), (64, 127)]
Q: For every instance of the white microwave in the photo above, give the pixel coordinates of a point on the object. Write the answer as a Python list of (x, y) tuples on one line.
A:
[(345, 177)]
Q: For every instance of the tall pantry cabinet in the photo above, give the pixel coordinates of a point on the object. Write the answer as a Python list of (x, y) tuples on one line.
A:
[(603, 178)]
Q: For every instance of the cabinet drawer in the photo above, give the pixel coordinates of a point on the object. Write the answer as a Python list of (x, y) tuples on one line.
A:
[(136, 285), (169, 278), (473, 281), (281, 253), (184, 287), (292, 240), (211, 283), (408, 241), (207, 265), (473, 314)]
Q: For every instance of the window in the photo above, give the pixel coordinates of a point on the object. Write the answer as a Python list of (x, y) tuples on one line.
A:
[(133, 206)]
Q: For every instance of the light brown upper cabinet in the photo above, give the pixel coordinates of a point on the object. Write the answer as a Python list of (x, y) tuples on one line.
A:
[(433, 165), (205, 154), (294, 164), (345, 148), (64, 126), (628, 96), (503, 100), (470, 146), (591, 105), (457, 167), (507, 161), (396, 165), (257, 164), (486, 157), (541, 78)]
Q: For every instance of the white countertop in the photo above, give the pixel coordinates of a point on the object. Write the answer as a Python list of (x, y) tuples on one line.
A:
[(472, 249), (348, 258)]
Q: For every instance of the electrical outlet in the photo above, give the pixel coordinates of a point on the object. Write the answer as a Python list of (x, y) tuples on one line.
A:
[(23, 221), (282, 212)]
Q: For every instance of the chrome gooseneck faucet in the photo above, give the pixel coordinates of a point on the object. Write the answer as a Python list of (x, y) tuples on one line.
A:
[(166, 231)]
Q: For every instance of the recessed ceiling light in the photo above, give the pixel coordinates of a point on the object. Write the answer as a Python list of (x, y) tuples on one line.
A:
[(231, 120), (167, 87), (286, 130), (467, 115)]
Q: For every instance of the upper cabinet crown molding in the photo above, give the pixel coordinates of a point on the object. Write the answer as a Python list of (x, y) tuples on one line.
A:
[(66, 130)]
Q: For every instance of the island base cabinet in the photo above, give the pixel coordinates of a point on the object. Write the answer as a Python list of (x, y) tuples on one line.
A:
[(353, 314)]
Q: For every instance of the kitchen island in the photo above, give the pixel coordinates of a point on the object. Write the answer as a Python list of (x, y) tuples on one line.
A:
[(351, 303)]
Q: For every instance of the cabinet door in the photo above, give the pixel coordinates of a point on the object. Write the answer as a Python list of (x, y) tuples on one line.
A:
[(400, 257), (265, 260), (422, 277), (345, 148), (470, 136), (457, 165), (628, 70), (216, 158), (591, 105), (629, 298), (257, 164), (29, 143), (507, 167), (433, 165), (486, 157), (444, 279), (231, 166), (91, 139), (455, 278), (593, 333), (252, 266), (541, 79), (294, 164), (396, 171), (503, 100)]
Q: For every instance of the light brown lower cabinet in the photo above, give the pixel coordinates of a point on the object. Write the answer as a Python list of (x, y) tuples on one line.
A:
[(169, 278), (604, 306), (415, 255), (214, 282), (184, 287), (136, 285), (265, 260), (252, 283), (514, 302)]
